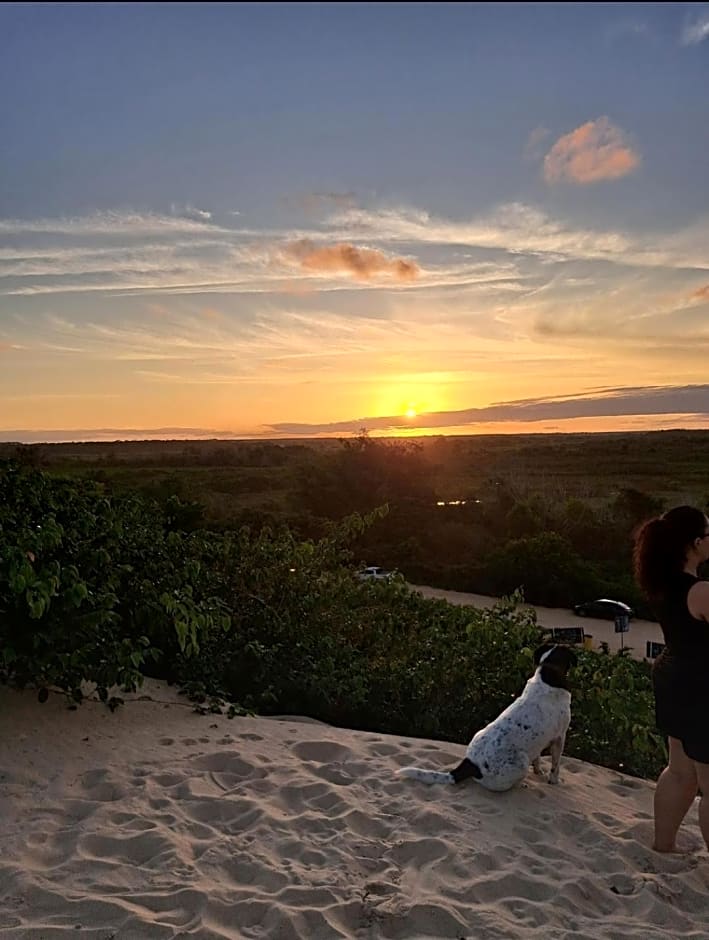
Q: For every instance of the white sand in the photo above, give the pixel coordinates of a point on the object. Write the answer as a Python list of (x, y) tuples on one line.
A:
[(156, 822)]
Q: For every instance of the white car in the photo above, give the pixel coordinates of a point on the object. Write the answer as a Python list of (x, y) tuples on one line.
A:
[(375, 573)]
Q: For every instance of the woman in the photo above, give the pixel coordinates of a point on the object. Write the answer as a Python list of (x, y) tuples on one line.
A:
[(668, 551)]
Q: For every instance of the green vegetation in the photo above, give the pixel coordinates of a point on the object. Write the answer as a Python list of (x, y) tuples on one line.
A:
[(550, 514), (104, 586)]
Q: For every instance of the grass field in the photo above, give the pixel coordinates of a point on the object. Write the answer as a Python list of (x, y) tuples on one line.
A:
[(229, 477)]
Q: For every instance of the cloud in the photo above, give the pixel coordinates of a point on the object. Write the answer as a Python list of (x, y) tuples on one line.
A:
[(595, 151), (354, 249), (107, 223), (626, 29), (701, 293), (533, 145), (67, 435), (190, 212), (360, 263), (613, 402), (696, 30), (211, 313), (519, 229), (320, 201)]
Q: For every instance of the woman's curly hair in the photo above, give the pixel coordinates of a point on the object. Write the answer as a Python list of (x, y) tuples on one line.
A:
[(661, 546)]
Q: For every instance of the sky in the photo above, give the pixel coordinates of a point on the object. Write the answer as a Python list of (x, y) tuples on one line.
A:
[(295, 220)]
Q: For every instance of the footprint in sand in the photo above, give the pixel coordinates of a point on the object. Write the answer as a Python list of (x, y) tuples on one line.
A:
[(608, 822), (168, 780), (624, 884), (383, 750), (624, 786), (322, 752), (222, 762), (419, 851)]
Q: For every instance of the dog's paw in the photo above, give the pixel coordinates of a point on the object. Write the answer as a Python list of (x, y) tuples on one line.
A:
[(554, 779), (537, 768)]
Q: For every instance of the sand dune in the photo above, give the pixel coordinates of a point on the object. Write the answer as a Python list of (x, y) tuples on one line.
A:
[(154, 822)]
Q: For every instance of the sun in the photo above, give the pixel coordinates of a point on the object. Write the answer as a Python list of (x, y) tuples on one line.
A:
[(411, 412)]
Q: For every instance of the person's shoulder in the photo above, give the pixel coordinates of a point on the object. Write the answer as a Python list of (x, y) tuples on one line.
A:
[(698, 600)]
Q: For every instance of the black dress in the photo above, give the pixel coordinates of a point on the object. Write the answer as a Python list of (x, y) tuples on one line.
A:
[(680, 675)]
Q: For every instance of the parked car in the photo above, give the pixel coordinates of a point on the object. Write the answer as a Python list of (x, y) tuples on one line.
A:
[(375, 573), (604, 608)]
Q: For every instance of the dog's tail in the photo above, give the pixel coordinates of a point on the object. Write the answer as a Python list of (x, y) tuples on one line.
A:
[(425, 776), (464, 770)]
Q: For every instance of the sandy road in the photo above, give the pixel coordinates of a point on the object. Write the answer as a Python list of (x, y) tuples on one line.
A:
[(641, 631)]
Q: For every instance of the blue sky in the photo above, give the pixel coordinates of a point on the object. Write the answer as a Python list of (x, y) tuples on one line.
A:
[(264, 219)]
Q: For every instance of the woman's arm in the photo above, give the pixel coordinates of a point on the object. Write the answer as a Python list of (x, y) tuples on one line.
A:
[(698, 600)]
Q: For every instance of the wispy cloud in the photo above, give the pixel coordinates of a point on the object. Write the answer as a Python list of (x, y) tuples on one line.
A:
[(701, 293), (613, 402), (322, 201), (108, 223), (190, 212), (355, 249), (62, 435), (535, 140), (626, 29), (696, 27), (594, 152)]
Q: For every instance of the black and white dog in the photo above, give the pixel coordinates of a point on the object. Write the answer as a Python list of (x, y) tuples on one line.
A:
[(499, 755)]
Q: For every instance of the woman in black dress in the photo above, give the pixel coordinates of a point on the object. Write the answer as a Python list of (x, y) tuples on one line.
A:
[(668, 551)]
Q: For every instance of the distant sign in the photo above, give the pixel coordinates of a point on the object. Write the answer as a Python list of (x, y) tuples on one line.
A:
[(653, 650), (567, 634), (622, 623)]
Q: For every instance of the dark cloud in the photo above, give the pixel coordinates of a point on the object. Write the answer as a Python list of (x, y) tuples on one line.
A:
[(605, 403), (614, 402)]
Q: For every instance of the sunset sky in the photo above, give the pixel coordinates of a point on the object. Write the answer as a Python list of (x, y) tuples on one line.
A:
[(283, 220)]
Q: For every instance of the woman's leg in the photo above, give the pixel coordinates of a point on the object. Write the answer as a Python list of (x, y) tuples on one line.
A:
[(702, 771), (675, 791)]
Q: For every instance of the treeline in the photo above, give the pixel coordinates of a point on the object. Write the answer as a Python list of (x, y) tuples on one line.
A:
[(498, 537), (552, 515), (103, 588)]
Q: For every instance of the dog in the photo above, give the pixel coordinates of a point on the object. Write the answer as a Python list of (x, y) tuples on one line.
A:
[(499, 755)]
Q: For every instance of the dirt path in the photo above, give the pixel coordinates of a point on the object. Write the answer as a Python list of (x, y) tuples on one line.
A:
[(641, 631)]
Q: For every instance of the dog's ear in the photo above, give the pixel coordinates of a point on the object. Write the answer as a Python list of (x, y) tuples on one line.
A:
[(573, 659), (565, 657), (541, 650)]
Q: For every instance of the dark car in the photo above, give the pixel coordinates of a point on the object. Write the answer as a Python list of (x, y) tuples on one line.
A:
[(604, 608)]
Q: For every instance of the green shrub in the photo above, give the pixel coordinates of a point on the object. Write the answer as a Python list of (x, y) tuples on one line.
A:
[(104, 589), (92, 588)]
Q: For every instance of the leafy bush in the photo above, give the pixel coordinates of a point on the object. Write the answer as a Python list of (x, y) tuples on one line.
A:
[(613, 718), (104, 589), (545, 567), (92, 588)]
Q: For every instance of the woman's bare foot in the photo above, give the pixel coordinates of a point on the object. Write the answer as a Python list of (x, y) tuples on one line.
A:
[(686, 848)]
